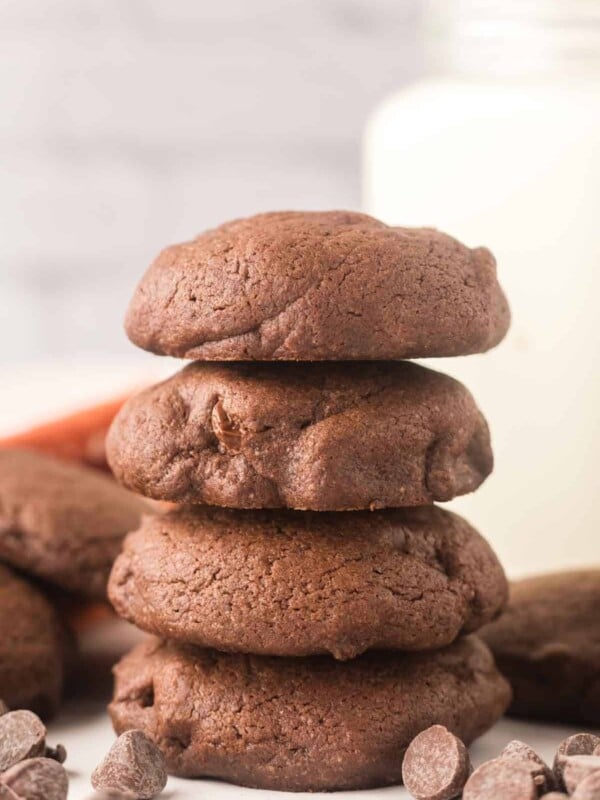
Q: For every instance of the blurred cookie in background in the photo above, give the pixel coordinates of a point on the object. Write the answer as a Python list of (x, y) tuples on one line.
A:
[(35, 647), (547, 643), (63, 522)]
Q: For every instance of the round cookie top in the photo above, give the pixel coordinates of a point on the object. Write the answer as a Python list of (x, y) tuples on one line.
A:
[(302, 724), (61, 521), (301, 583), (33, 647), (547, 643), (326, 437), (318, 286)]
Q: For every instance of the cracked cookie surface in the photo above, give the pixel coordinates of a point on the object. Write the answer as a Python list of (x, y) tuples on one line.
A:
[(309, 286), (547, 643), (302, 724), (325, 437), (63, 522), (300, 583)]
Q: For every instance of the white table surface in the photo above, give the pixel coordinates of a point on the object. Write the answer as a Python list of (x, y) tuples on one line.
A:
[(32, 393)]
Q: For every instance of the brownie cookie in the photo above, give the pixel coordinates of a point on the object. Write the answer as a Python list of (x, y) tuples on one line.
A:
[(33, 647), (62, 522), (548, 645), (324, 437), (292, 583), (302, 724), (318, 286)]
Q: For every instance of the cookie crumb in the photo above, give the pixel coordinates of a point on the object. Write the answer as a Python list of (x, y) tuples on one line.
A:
[(58, 753)]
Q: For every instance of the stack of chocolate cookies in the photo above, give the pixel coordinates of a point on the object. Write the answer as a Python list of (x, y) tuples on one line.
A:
[(311, 605)]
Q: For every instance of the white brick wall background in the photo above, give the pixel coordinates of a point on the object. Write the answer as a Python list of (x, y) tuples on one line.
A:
[(129, 124)]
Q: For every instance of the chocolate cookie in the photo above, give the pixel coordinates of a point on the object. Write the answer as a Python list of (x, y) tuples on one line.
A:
[(308, 436), (33, 647), (302, 724), (62, 522), (548, 645), (292, 583), (313, 286)]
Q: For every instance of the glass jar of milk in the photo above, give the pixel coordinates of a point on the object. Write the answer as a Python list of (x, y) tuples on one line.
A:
[(502, 148)]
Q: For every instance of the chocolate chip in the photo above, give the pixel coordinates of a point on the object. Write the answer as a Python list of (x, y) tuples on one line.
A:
[(22, 735), (58, 753), (436, 765), (580, 744), (37, 779), (225, 431), (7, 794), (588, 789), (542, 775), (134, 767), (578, 768), (501, 778)]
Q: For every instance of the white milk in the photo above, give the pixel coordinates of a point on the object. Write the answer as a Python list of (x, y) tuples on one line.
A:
[(504, 150)]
